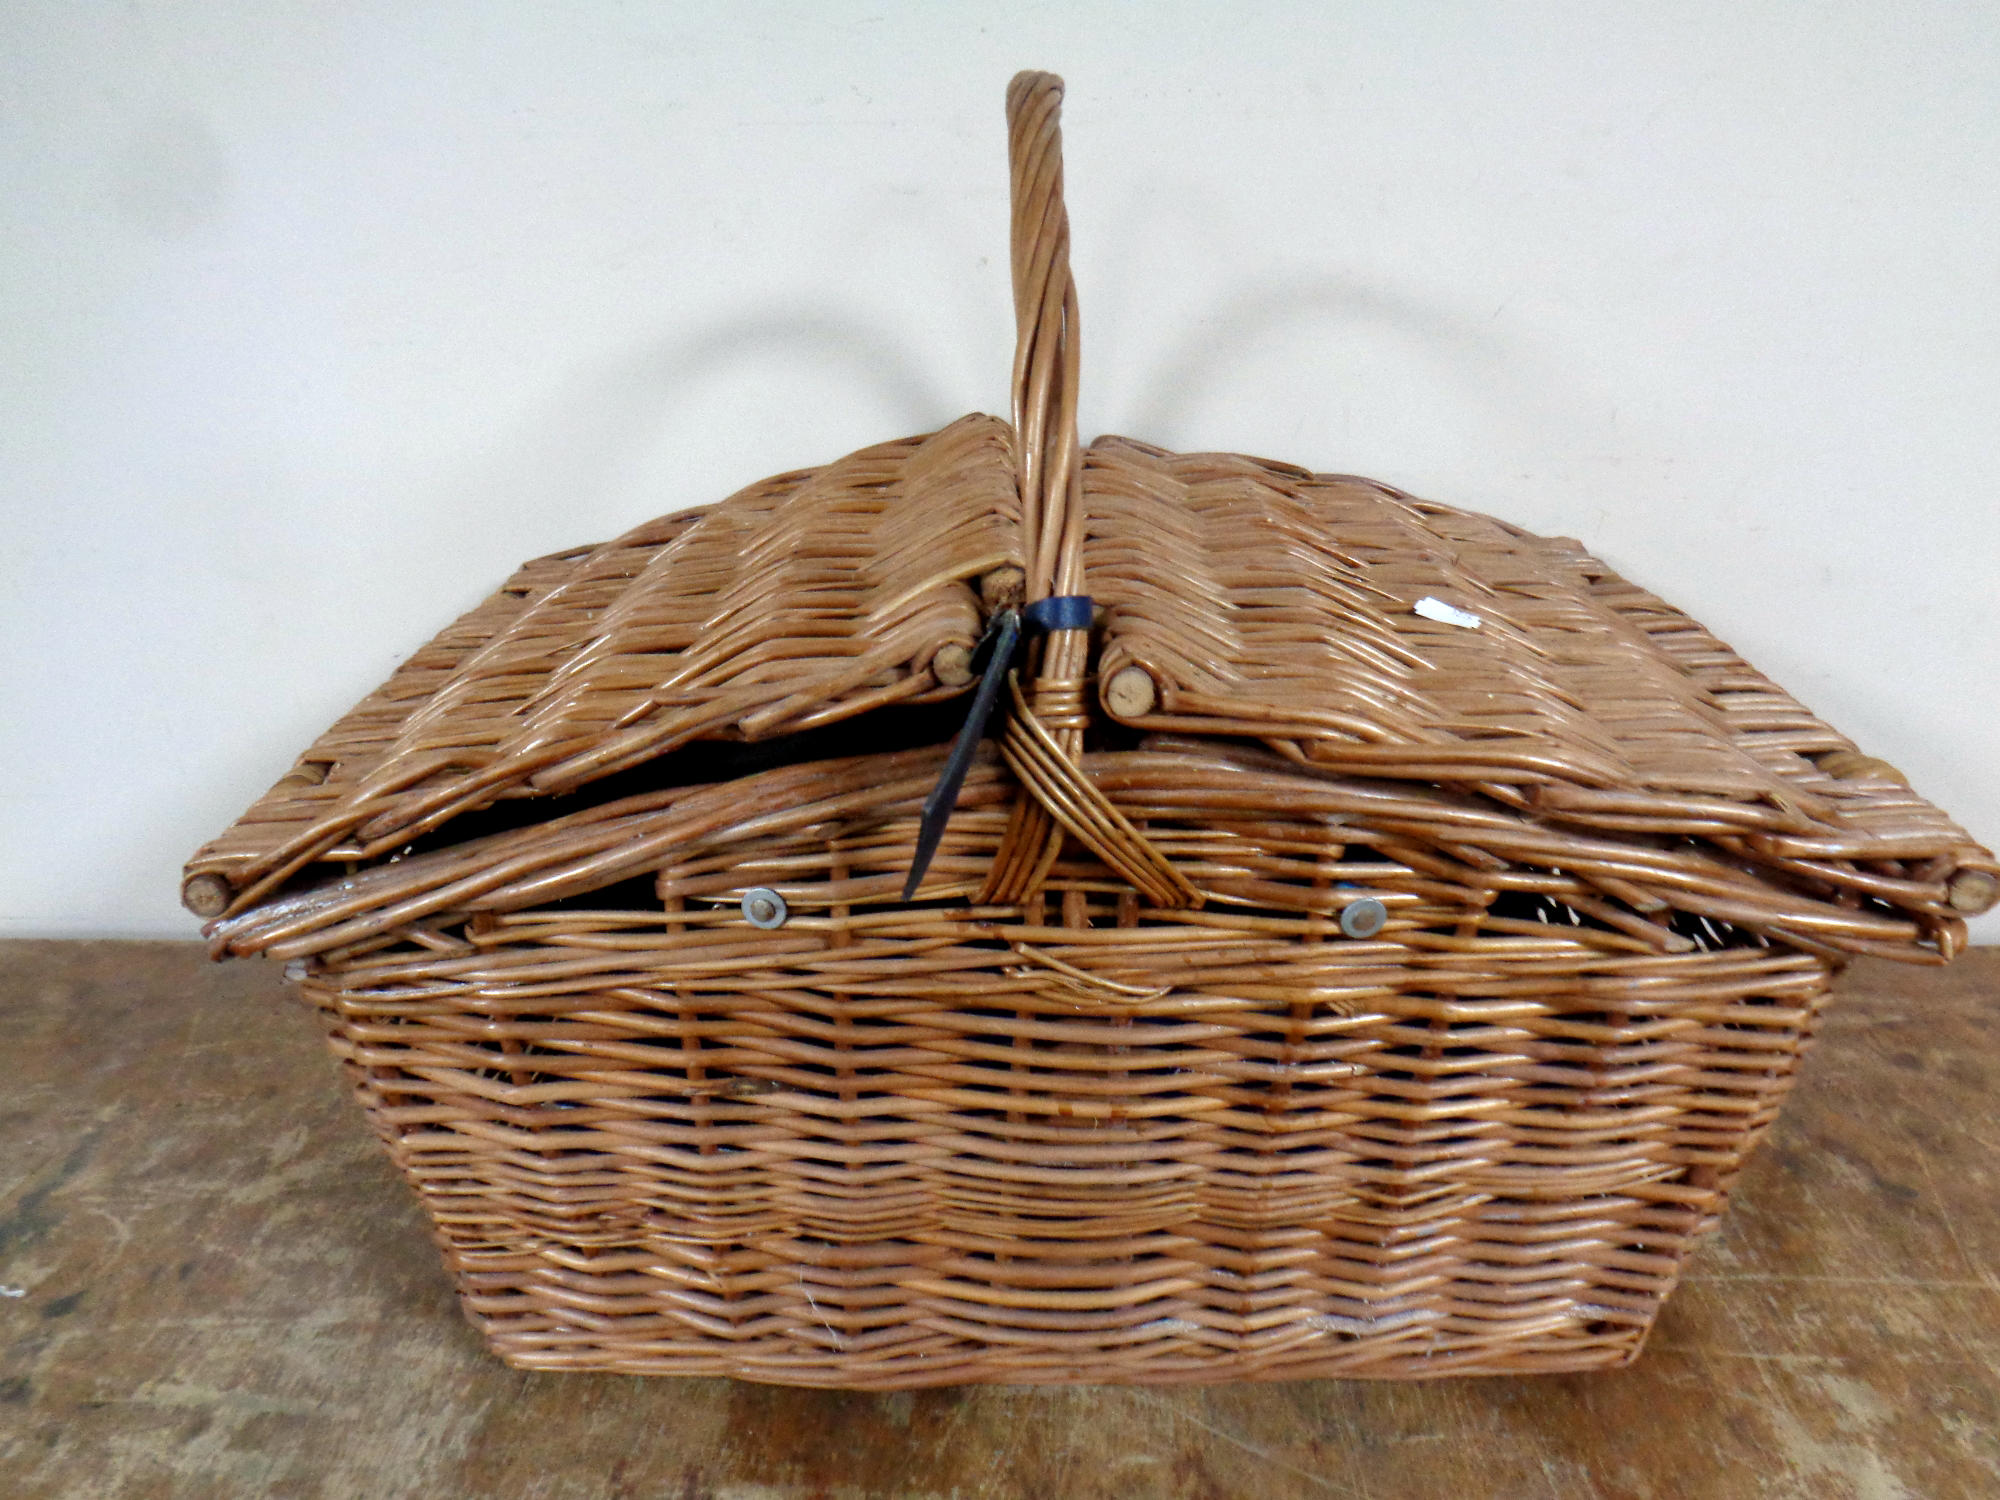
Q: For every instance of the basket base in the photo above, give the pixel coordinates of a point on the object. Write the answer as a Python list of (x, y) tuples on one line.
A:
[(928, 1351), (788, 1368)]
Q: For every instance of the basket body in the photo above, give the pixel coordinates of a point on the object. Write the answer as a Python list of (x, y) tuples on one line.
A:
[(1369, 945), (914, 1158)]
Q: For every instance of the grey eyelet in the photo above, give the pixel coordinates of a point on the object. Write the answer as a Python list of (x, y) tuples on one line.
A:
[(1363, 918), (764, 907)]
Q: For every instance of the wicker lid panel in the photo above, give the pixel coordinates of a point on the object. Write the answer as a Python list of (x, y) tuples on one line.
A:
[(1267, 604), (802, 600)]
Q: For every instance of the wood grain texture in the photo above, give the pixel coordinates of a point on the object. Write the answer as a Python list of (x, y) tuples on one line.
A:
[(225, 1291)]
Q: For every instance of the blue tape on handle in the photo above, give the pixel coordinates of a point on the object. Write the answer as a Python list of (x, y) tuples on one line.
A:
[(1060, 612)]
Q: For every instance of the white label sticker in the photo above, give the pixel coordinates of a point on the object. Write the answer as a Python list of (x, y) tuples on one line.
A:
[(1446, 614)]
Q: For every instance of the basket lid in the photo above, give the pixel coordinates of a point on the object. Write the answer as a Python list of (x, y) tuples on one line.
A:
[(1240, 598)]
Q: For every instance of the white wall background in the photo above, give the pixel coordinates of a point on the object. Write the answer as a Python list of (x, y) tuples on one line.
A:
[(315, 319)]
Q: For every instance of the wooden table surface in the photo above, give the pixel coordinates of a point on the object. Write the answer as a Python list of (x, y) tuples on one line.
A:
[(212, 1284)]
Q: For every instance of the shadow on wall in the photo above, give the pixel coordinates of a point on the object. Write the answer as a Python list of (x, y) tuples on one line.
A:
[(1498, 375), (569, 465), (578, 463)]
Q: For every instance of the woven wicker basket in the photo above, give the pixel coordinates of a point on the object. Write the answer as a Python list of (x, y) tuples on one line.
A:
[(1369, 945)]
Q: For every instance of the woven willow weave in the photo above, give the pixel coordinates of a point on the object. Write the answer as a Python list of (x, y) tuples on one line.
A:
[(1370, 946)]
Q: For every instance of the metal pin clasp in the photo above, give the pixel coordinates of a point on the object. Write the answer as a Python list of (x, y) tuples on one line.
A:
[(1363, 918), (764, 907)]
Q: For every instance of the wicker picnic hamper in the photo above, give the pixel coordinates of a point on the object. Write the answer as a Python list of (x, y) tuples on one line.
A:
[(1367, 943)]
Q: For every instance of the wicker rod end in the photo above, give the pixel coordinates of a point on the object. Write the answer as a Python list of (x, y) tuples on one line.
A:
[(1005, 587), (1131, 693), (206, 895), (1973, 892), (952, 665)]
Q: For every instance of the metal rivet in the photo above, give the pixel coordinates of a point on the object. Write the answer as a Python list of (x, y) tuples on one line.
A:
[(1363, 918), (764, 907)]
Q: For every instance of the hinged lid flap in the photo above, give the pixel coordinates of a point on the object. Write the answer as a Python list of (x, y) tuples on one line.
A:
[(1353, 626), (796, 603)]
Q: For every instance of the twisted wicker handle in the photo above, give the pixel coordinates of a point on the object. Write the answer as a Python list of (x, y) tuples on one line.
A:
[(1045, 457), (1043, 741), (1045, 340)]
